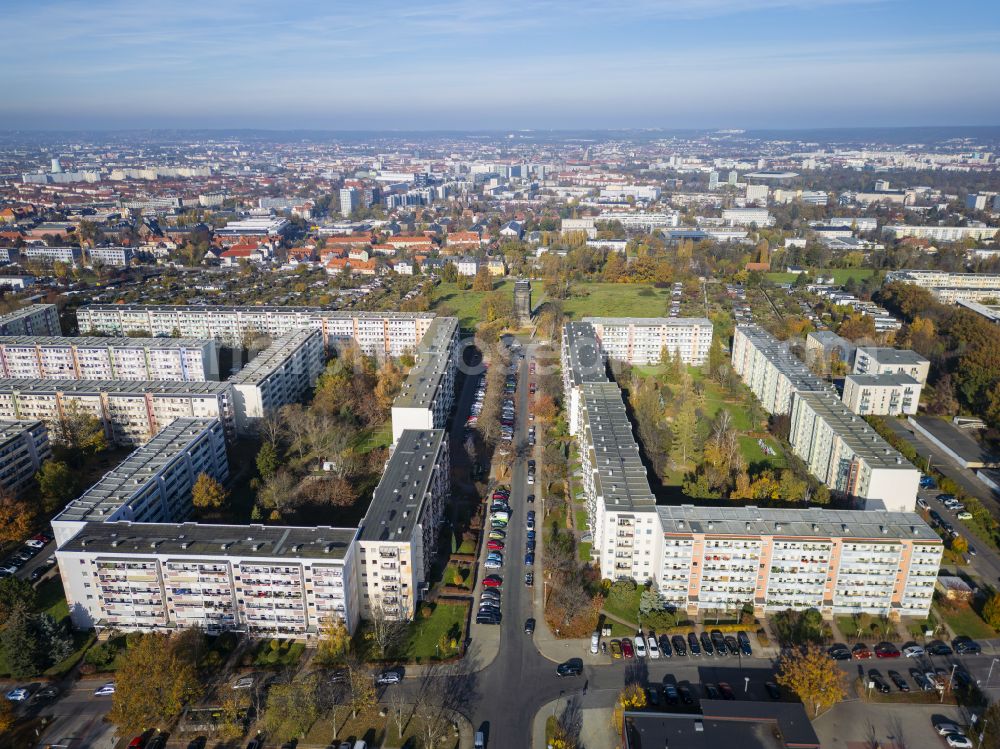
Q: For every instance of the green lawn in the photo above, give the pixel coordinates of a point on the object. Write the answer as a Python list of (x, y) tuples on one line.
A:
[(616, 300), (467, 546), (580, 517), (967, 622), (753, 454), (372, 439), (425, 634), (626, 608), (465, 303), (583, 550), (840, 275)]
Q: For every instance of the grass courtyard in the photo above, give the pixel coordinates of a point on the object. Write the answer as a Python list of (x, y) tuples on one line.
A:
[(840, 275), (616, 300), (464, 303)]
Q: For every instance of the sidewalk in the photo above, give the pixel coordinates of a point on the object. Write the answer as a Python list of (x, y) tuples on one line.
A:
[(594, 722)]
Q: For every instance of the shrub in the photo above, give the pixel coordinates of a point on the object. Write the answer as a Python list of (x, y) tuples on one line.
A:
[(88, 668), (275, 644)]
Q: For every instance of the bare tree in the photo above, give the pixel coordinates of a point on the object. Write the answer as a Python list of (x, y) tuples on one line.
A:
[(398, 709), (386, 628)]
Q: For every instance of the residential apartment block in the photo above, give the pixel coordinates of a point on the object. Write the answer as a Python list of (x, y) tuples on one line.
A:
[(582, 361), (278, 375), (376, 333), (36, 319), (882, 394), (89, 358), (876, 361), (839, 562), (848, 455), (69, 255), (153, 484), (262, 580), (770, 369), (428, 392), (23, 447), (941, 233), (131, 412), (747, 217), (641, 340), (398, 536), (951, 288), (115, 257)]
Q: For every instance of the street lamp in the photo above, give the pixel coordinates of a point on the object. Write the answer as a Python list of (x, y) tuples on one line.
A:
[(746, 684), (950, 679), (990, 674)]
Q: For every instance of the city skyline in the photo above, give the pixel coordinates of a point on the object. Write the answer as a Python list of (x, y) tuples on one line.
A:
[(452, 65)]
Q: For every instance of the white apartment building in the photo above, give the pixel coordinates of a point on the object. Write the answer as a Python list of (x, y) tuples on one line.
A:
[(35, 319), (68, 255), (941, 233), (116, 257), (757, 194), (845, 453), (770, 369), (467, 266), (641, 340), (839, 562), (642, 220), (153, 484), (747, 217), (824, 345), (278, 375), (586, 225), (624, 192), (376, 333), (428, 392), (265, 581), (880, 360), (950, 288), (882, 394), (91, 358), (24, 445), (398, 536), (132, 412), (582, 360)]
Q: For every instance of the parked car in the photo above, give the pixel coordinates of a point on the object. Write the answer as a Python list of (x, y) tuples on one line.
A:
[(244, 682), (839, 653), (744, 642), (389, 676), (966, 646), (899, 681), (529, 627), (670, 692), (913, 651), (958, 741), (651, 646), (772, 690), (693, 645), (921, 681), (627, 650), (706, 644), (572, 667), (685, 692), (105, 689), (665, 650), (727, 691), (492, 581), (860, 652), (886, 650), (711, 691), (640, 646), (876, 678), (680, 647), (732, 646), (936, 647), (944, 728), (616, 649)]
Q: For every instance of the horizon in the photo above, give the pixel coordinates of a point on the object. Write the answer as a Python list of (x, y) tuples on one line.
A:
[(458, 67)]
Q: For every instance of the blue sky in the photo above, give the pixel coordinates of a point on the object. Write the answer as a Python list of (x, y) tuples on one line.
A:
[(451, 64)]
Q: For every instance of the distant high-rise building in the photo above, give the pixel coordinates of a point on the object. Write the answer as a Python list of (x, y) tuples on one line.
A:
[(522, 300), (350, 199), (713, 180), (733, 177), (976, 202), (56, 166), (881, 185)]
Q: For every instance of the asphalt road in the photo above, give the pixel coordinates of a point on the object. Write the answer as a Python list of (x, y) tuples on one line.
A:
[(79, 715)]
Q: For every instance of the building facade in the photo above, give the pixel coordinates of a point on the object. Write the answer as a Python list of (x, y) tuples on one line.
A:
[(770, 369), (873, 360), (428, 392), (89, 358), (882, 395), (35, 319), (24, 445), (641, 340)]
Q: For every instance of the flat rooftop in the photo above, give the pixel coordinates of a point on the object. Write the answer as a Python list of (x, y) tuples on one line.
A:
[(889, 379), (856, 433), (281, 543), (399, 496), (748, 725), (327, 312), (787, 364), (806, 522), (274, 356), (621, 476), (652, 322), (434, 357), (13, 428), (31, 309), (885, 355), (583, 349), (52, 341), (94, 387), (117, 487), (957, 440)]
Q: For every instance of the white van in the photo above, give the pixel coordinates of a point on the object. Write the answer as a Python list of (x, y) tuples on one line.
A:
[(595, 640), (360, 744)]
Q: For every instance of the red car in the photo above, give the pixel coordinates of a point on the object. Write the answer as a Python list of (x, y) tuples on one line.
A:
[(492, 581), (627, 650), (495, 545), (860, 652), (886, 650), (501, 494)]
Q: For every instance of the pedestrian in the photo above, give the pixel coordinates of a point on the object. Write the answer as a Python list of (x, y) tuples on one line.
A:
[(585, 683)]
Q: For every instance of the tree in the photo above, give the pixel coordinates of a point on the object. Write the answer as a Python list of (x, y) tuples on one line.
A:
[(79, 432), (685, 430), (813, 676), (15, 593), (279, 493), (233, 714), (632, 697), (385, 629), (155, 681), (293, 706), (991, 611), (57, 482), (24, 651), (16, 517), (361, 685), (959, 545), (449, 274), (334, 639), (483, 281), (267, 460), (208, 494)]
